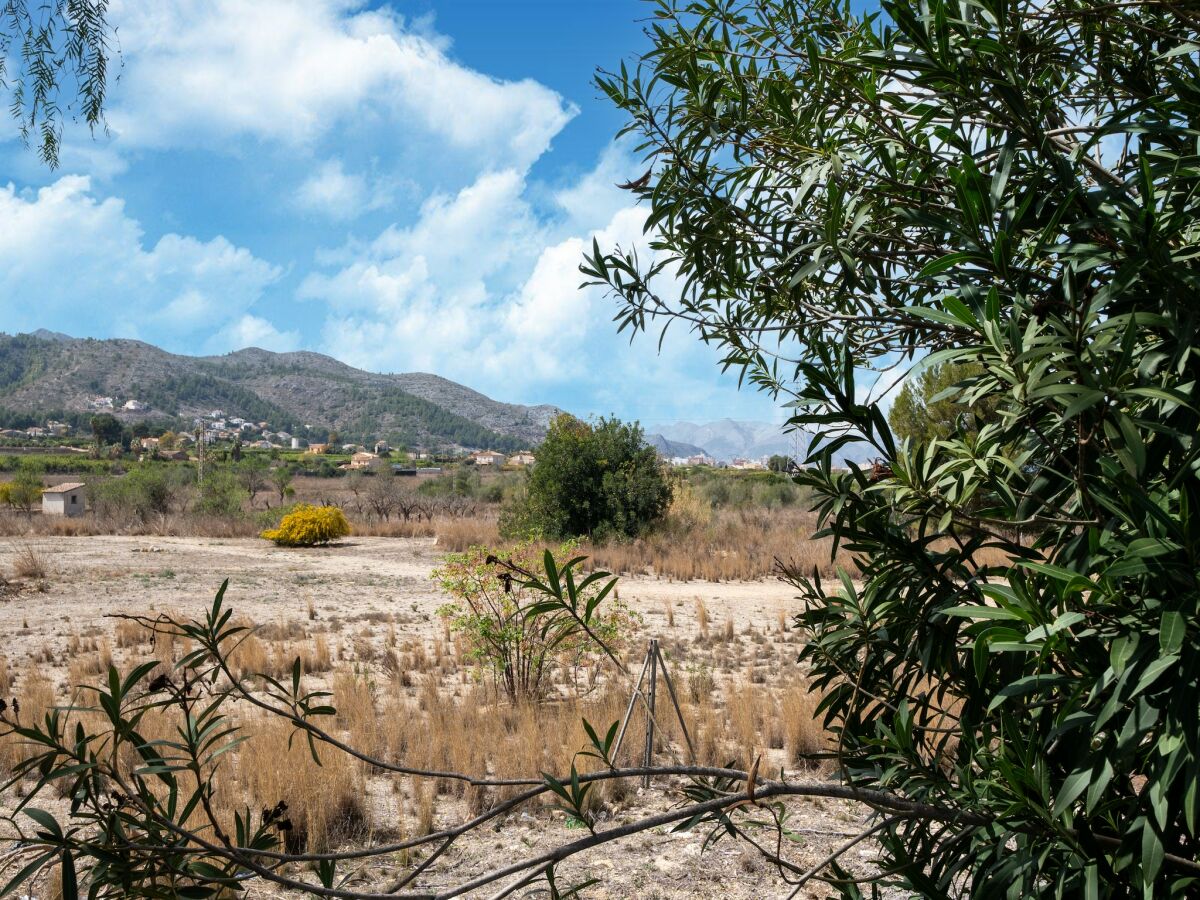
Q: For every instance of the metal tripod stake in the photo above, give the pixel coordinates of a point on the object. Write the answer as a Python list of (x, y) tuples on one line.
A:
[(653, 664)]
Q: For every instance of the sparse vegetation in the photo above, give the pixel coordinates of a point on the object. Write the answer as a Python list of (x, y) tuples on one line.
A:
[(510, 629), (406, 704)]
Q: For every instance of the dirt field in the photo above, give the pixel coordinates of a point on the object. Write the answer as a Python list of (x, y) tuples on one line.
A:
[(370, 590)]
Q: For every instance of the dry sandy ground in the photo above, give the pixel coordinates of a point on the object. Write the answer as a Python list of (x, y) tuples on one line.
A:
[(357, 581)]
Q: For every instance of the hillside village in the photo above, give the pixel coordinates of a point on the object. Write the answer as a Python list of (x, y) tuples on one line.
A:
[(218, 427)]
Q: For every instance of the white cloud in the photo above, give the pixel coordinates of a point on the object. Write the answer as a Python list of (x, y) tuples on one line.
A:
[(421, 293), (198, 71), (253, 331), (73, 263), (484, 290), (331, 191)]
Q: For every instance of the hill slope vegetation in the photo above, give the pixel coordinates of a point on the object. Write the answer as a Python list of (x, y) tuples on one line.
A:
[(44, 374)]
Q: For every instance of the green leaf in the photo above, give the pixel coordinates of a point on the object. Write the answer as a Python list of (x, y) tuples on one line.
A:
[(1072, 789), (1171, 632), (70, 886)]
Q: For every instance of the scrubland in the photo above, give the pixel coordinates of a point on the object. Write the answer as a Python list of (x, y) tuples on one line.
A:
[(720, 526), (362, 616)]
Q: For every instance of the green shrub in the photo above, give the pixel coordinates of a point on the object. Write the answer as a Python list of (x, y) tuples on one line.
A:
[(146, 491), (308, 526), (510, 630), (599, 480), (24, 492), (220, 494)]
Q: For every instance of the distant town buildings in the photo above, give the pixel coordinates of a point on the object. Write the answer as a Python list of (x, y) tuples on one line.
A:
[(750, 464), (363, 460)]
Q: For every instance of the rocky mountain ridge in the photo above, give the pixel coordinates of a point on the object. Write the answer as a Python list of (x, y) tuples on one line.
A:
[(50, 372)]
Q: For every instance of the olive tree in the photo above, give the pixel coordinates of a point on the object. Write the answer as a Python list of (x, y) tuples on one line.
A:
[(1004, 186)]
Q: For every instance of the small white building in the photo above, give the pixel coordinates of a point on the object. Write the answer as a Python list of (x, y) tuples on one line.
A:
[(135, 406), (63, 499), (364, 460), (487, 458), (524, 458)]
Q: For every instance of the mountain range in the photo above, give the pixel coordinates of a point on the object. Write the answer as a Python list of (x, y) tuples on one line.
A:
[(728, 439), (51, 373)]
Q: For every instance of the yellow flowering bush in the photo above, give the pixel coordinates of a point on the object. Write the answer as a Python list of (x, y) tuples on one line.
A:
[(307, 526)]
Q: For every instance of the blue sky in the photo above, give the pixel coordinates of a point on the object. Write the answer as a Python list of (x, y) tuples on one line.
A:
[(406, 186)]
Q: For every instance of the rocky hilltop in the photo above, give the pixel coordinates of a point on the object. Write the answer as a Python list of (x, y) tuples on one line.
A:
[(46, 372)]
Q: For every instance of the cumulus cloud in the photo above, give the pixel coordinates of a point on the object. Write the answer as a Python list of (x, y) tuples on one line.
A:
[(486, 290), (71, 262), (198, 71), (253, 331), (334, 193)]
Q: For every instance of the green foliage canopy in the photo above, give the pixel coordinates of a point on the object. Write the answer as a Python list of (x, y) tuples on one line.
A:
[(930, 407), (106, 429), (591, 479), (1004, 185)]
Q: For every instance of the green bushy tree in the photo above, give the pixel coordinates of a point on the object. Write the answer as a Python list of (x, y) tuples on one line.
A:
[(220, 493), (931, 406), (591, 479), (24, 492), (146, 492), (1007, 190), (106, 429)]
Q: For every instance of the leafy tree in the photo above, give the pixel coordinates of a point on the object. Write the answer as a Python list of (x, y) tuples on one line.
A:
[(590, 479), (106, 429), (931, 406), (220, 493), (253, 473), (24, 492), (1007, 186), (145, 493), (54, 60), (779, 463), (281, 480)]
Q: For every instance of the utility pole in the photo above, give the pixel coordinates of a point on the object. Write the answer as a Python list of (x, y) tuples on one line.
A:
[(200, 456)]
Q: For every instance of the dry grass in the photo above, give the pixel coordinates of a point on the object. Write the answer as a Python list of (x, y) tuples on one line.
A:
[(410, 696), (326, 802), (35, 694), (30, 564)]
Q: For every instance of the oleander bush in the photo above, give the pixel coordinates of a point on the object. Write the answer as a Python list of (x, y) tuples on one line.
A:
[(309, 526)]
